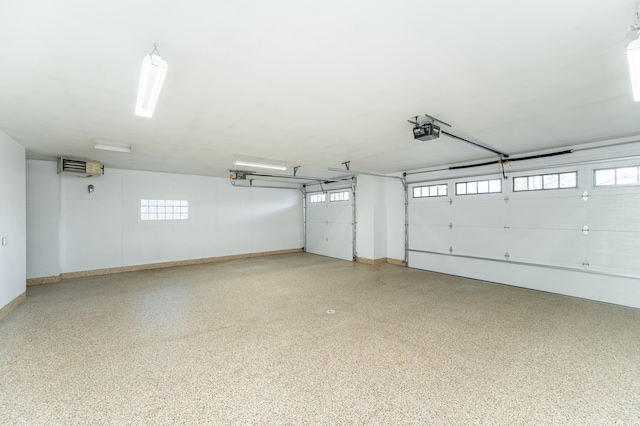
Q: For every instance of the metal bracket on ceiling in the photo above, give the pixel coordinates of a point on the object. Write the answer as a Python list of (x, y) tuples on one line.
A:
[(346, 164), (295, 170)]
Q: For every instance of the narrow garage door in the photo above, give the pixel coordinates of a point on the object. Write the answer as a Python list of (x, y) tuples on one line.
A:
[(330, 224)]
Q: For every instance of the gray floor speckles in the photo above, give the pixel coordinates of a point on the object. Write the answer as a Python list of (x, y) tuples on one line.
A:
[(249, 342)]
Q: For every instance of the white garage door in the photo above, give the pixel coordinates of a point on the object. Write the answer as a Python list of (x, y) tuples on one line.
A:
[(330, 224), (576, 218)]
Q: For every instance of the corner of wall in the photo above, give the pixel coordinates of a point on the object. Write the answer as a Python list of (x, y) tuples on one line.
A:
[(13, 251)]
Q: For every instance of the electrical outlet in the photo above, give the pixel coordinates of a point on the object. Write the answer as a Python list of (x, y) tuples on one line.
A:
[(4, 241)]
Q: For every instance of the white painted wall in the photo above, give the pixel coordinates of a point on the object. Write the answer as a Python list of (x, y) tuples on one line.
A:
[(394, 203), (43, 219), (101, 230), (371, 213), (12, 220)]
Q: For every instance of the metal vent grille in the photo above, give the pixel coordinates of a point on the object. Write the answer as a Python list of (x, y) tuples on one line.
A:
[(76, 166)]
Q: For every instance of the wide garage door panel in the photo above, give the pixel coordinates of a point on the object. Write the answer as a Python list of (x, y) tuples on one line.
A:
[(477, 210), (430, 211), (430, 238), (536, 212), (547, 246), (614, 212), (613, 252), (479, 241)]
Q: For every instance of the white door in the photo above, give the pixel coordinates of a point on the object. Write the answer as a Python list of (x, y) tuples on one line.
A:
[(330, 224)]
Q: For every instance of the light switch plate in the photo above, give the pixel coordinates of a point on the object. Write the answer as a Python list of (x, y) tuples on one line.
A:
[(4, 241)]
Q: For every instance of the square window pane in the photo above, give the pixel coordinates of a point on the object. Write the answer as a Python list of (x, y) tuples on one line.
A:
[(483, 187), (161, 202), (535, 182), (568, 180), (169, 216), (144, 202), (184, 203), (144, 217), (433, 191), (442, 190), (184, 209), (144, 210), (550, 181), (626, 175), (153, 216), (461, 188), (605, 177), (153, 210), (184, 216), (472, 187), (346, 196), (153, 202), (520, 184), (160, 216), (417, 192), (168, 209), (495, 185)]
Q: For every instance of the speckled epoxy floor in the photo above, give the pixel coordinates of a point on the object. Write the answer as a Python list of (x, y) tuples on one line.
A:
[(249, 342)]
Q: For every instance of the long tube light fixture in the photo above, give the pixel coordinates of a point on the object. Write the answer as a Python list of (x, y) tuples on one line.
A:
[(260, 165), (154, 70), (111, 146), (633, 54)]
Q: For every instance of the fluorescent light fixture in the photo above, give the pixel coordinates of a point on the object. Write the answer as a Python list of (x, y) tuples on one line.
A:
[(261, 165), (154, 70), (111, 146), (633, 54)]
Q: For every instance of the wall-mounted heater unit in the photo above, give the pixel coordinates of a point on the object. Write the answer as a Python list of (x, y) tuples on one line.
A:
[(78, 167)]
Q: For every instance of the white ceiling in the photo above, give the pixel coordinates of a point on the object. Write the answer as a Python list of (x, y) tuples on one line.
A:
[(314, 83)]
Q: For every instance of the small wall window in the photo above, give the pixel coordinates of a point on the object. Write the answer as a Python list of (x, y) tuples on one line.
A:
[(430, 191), (479, 187), (618, 176), (164, 210), (339, 196), (548, 181), (317, 198)]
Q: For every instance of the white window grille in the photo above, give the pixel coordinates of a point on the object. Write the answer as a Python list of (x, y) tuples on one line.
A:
[(479, 187), (339, 196), (317, 198), (546, 181), (430, 191), (617, 176), (163, 210)]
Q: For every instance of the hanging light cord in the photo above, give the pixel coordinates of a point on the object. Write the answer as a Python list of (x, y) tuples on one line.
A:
[(155, 50)]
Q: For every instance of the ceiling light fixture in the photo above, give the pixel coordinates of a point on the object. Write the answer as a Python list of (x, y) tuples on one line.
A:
[(154, 70), (261, 165), (633, 54), (111, 146)]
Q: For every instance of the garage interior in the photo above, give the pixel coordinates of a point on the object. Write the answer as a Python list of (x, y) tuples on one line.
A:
[(376, 213)]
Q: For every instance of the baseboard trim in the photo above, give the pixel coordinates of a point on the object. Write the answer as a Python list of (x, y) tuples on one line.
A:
[(44, 280), (379, 261), (4, 311), (133, 268)]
